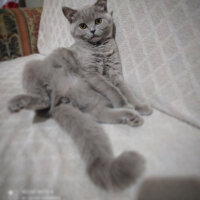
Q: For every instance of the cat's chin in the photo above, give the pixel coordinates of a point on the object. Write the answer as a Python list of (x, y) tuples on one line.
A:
[(95, 39)]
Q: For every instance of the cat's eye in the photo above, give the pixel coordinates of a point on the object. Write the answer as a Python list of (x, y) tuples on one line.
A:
[(98, 21), (83, 26)]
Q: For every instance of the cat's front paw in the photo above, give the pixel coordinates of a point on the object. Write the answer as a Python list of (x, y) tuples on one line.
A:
[(129, 106), (144, 109), (17, 103), (132, 119)]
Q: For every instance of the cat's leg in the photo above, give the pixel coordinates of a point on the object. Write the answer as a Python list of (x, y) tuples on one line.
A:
[(107, 89), (37, 97), (143, 109), (103, 168), (118, 116), (28, 101)]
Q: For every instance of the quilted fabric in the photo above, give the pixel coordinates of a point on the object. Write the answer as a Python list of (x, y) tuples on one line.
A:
[(18, 32), (159, 46), (40, 161)]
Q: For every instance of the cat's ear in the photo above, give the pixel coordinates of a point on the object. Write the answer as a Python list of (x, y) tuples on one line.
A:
[(69, 13), (101, 5)]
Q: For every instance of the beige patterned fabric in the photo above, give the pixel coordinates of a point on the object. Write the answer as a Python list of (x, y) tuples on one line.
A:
[(159, 46)]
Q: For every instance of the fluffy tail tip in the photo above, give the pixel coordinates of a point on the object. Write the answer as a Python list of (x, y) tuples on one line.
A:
[(118, 174), (125, 169)]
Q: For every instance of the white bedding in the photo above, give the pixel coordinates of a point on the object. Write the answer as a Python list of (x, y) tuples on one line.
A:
[(40, 160)]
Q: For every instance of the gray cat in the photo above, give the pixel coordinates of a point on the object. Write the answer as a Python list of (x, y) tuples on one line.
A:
[(82, 85), (93, 30)]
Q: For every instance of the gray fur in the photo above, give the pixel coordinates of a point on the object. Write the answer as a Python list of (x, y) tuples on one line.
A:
[(104, 170), (81, 86), (98, 52), (58, 78)]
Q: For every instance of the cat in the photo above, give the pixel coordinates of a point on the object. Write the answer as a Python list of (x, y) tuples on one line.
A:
[(83, 90), (92, 27), (56, 82)]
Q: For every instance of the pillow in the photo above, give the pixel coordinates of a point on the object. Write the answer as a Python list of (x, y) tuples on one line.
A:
[(159, 46), (18, 32)]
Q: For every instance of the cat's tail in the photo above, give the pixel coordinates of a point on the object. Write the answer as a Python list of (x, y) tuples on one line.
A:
[(104, 170), (118, 173)]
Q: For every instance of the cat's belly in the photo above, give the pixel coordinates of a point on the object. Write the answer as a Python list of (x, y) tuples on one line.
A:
[(82, 96), (85, 98)]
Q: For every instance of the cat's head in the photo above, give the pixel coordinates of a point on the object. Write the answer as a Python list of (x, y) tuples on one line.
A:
[(92, 23)]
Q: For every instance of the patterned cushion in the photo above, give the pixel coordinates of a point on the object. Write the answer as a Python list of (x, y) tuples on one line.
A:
[(18, 32), (159, 45)]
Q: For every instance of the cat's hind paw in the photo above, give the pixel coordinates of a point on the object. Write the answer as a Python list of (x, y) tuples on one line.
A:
[(17, 103), (144, 109), (20, 102), (132, 119)]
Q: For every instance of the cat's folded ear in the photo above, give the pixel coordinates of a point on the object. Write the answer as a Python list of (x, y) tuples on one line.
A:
[(101, 5), (69, 13)]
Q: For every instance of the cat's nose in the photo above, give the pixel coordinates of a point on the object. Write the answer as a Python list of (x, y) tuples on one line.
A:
[(92, 31)]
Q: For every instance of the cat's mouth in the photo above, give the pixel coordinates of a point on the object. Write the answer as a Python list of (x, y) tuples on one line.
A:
[(95, 38)]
